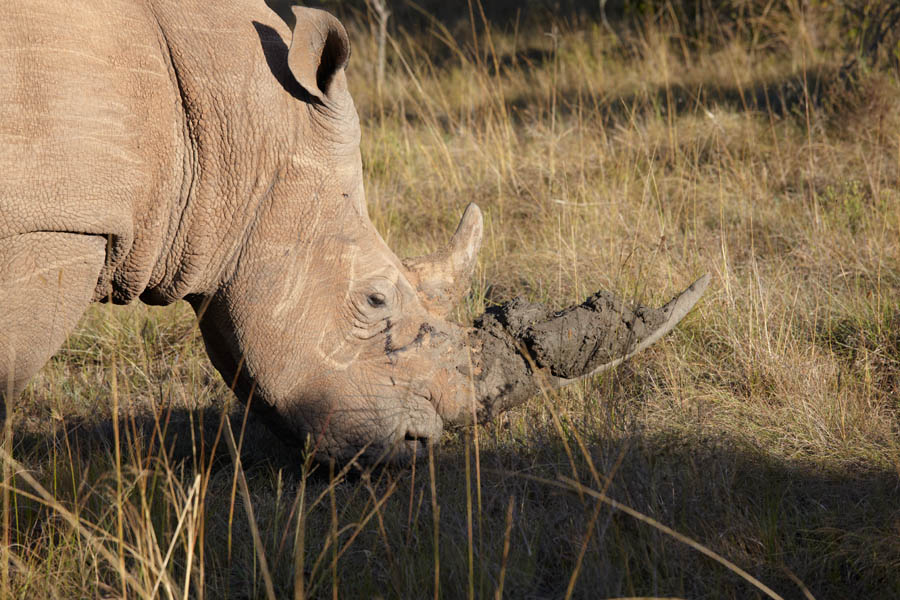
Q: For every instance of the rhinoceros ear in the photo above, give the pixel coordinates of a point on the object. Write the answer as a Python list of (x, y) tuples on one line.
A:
[(319, 52), (442, 278)]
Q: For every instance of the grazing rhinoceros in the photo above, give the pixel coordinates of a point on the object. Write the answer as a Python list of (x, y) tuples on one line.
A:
[(176, 149)]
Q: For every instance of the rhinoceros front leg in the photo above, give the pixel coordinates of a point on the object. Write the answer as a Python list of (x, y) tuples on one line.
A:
[(47, 279)]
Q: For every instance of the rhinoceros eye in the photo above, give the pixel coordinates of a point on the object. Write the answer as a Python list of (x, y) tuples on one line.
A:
[(376, 300)]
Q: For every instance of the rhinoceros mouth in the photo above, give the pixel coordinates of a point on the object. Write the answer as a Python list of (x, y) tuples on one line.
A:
[(416, 446), (411, 446), (416, 426)]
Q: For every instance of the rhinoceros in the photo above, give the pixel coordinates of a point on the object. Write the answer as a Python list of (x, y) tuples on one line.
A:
[(166, 150)]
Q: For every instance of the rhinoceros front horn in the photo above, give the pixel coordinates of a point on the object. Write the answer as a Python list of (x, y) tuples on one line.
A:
[(442, 278), (520, 347)]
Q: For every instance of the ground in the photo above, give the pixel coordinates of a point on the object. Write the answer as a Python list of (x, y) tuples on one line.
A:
[(632, 157)]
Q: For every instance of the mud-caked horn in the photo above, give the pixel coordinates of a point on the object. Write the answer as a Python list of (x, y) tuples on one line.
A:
[(442, 278), (520, 347)]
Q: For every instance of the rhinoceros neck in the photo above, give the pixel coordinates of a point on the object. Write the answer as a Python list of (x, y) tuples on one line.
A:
[(90, 144), (231, 142)]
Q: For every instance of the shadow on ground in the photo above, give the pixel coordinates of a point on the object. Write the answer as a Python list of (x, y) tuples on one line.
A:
[(836, 528), (828, 89)]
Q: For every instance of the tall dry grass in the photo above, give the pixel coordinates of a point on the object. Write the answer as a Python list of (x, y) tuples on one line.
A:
[(755, 452)]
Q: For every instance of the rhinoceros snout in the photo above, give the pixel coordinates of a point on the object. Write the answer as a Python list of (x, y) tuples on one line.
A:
[(423, 429), (385, 428), (400, 448)]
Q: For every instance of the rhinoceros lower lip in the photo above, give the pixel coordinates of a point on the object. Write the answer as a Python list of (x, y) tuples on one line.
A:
[(412, 437), (413, 446), (402, 451)]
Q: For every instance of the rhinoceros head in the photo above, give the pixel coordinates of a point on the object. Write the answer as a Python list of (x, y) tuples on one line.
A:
[(333, 338), (318, 324), (328, 334)]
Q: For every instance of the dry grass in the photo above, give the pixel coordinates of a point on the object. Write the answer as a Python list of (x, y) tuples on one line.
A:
[(766, 427)]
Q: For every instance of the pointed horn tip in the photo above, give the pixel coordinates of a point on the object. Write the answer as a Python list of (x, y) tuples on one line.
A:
[(682, 304), (471, 218), (466, 240), (702, 282), (473, 210), (697, 288)]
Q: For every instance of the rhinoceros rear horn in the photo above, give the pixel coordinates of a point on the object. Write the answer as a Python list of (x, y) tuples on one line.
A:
[(442, 278), (319, 52)]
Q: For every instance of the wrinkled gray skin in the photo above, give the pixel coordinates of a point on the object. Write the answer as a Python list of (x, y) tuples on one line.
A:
[(163, 150)]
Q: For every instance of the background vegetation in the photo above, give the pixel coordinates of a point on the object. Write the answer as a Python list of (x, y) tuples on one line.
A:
[(625, 145)]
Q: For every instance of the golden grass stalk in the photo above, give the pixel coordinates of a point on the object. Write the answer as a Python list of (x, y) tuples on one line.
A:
[(248, 510), (576, 486)]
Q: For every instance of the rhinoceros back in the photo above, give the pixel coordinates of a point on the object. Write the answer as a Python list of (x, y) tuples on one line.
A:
[(89, 130)]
